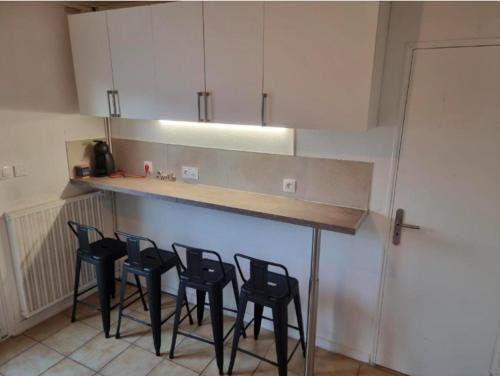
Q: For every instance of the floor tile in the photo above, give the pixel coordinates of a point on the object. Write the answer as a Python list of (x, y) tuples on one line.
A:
[(99, 351), (146, 340), (168, 368), (367, 370), (94, 319), (33, 361), (260, 346), (71, 338), (193, 354), (328, 363), (244, 365), (295, 367), (131, 330), (206, 331), (13, 346), (134, 362), (67, 367), (48, 327)]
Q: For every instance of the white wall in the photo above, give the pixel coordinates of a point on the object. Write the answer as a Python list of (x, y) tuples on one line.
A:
[(350, 266), (37, 106)]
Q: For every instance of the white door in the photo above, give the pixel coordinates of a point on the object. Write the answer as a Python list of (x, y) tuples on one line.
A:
[(233, 58), (320, 63), (92, 62), (131, 41), (178, 60), (441, 301)]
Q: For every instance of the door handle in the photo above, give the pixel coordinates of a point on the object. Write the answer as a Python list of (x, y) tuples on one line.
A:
[(263, 109), (206, 94), (109, 93), (199, 95), (116, 100), (399, 225)]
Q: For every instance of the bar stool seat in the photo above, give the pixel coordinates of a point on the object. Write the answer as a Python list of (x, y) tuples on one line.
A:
[(266, 288), (102, 254), (207, 277), (106, 248), (278, 287), (150, 263)]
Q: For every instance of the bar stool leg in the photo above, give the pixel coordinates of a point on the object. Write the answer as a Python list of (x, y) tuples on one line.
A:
[(257, 314), (123, 288), (181, 293), (200, 305), (78, 266), (280, 321), (298, 312), (242, 307), (102, 270), (236, 292), (154, 294), (138, 282), (111, 281), (216, 314)]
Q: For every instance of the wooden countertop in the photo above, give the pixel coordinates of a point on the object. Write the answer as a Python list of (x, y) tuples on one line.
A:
[(283, 209)]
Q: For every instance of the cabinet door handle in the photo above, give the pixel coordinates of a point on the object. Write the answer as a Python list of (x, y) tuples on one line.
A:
[(116, 100), (206, 106), (199, 95), (109, 92), (263, 109)]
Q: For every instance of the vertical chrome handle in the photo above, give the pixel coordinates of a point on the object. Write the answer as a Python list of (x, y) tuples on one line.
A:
[(109, 92), (116, 99), (206, 94), (263, 109), (199, 95)]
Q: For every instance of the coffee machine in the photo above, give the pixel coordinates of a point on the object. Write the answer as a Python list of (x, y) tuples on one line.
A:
[(104, 162)]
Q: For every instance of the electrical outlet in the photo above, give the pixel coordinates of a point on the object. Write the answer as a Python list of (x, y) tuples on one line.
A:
[(19, 170), (148, 166), (289, 185), (7, 172), (189, 172)]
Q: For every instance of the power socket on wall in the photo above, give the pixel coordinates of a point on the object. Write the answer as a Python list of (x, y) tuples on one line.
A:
[(289, 185), (189, 172)]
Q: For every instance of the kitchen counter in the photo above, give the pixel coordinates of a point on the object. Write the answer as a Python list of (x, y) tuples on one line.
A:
[(279, 208)]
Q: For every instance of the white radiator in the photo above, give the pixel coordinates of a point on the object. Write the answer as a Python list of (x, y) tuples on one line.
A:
[(44, 249)]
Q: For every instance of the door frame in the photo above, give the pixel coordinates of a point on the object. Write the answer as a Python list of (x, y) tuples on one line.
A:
[(395, 159)]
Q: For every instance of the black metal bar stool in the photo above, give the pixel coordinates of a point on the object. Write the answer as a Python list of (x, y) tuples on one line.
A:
[(102, 254), (268, 289), (206, 276), (149, 263)]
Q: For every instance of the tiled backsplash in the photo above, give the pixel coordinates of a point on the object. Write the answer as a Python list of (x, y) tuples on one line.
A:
[(340, 182)]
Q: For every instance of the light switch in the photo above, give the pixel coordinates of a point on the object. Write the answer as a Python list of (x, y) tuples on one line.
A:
[(19, 170), (7, 172)]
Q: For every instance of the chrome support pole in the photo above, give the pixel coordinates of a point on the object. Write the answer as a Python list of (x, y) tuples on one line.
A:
[(312, 307)]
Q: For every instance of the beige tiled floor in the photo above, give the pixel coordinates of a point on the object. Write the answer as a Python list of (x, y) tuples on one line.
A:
[(58, 347)]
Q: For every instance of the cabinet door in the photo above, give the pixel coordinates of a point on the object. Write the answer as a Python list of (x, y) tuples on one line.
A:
[(233, 58), (178, 60), (92, 62), (131, 41), (319, 63)]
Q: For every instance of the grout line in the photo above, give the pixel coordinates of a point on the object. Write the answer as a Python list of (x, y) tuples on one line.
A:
[(26, 349)]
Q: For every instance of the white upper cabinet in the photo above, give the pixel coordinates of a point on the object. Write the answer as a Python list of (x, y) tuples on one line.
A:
[(291, 64), (92, 62), (323, 63), (178, 60), (233, 61), (131, 43)]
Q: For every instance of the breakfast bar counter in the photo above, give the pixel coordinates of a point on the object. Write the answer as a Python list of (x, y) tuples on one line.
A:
[(318, 216)]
